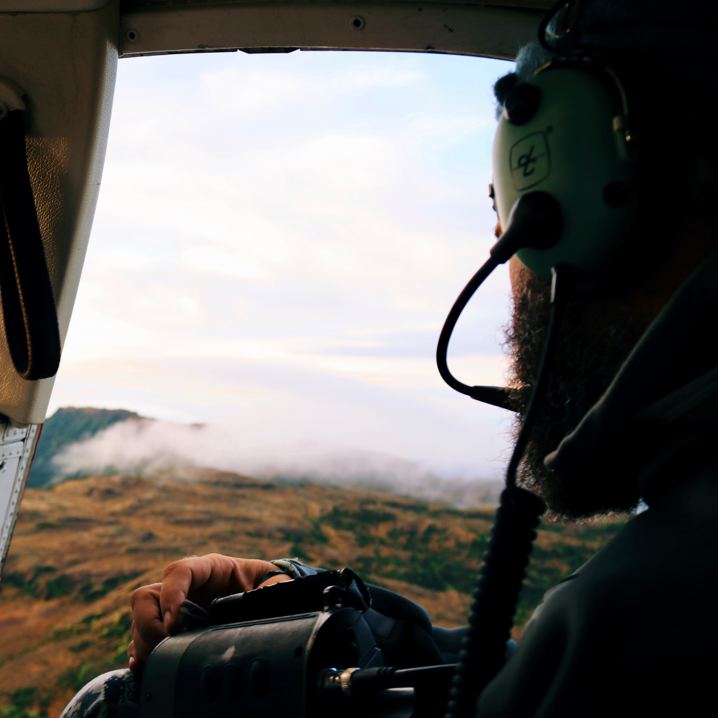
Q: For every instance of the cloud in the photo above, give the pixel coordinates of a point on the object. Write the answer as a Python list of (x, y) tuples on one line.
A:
[(376, 77), (270, 401), (151, 447), (233, 91), (283, 236), (210, 259)]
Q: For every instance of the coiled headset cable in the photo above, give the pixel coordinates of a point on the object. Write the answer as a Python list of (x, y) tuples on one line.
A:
[(535, 221)]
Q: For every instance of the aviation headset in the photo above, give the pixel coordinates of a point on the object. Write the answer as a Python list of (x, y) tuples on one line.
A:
[(568, 186), (566, 133), (566, 175)]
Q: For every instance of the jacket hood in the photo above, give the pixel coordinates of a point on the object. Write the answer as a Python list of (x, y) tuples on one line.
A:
[(656, 412)]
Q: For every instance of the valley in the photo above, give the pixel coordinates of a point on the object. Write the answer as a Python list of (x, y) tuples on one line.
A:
[(81, 547)]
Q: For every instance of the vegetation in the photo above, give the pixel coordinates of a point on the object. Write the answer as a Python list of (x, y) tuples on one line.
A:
[(81, 547), (65, 427), (25, 703)]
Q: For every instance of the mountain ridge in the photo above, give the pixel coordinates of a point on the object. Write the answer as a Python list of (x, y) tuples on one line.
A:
[(66, 426)]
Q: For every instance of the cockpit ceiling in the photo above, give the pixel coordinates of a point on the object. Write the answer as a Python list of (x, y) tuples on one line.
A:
[(158, 27), (462, 27)]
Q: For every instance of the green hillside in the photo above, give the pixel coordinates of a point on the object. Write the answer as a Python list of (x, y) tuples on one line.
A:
[(65, 427), (82, 546)]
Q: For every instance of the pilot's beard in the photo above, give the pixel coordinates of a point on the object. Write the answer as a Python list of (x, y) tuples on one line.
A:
[(595, 339)]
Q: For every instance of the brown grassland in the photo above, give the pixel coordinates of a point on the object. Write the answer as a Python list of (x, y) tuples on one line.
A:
[(81, 547)]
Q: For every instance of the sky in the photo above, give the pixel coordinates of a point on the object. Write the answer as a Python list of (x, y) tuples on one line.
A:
[(277, 242)]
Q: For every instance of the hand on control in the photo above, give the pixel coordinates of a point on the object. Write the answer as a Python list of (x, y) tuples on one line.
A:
[(156, 608)]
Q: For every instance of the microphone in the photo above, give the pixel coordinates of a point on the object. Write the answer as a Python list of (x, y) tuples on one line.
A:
[(535, 221)]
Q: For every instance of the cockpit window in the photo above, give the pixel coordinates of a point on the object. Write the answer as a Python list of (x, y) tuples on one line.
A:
[(277, 241)]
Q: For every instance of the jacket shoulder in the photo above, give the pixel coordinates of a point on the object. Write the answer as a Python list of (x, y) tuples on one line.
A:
[(639, 613)]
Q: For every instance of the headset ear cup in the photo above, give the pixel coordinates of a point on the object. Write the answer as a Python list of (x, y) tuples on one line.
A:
[(504, 85), (559, 135), (521, 103)]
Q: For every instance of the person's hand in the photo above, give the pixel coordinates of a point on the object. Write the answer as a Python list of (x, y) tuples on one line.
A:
[(156, 608)]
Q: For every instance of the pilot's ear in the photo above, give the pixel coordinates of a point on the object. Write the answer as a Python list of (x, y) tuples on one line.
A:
[(701, 187)]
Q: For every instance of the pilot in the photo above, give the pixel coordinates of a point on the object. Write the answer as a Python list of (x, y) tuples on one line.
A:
[(630, 419)]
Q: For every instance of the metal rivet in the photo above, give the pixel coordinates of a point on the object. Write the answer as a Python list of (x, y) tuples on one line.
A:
[(358, 22), (131, 35)]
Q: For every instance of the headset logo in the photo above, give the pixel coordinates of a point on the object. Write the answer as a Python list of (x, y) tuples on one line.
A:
[(530, 161)]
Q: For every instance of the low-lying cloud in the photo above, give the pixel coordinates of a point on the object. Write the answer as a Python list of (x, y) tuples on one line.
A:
[(149, 447)]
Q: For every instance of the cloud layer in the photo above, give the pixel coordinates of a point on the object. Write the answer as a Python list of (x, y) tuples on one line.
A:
[(146, 447), (277, 242)]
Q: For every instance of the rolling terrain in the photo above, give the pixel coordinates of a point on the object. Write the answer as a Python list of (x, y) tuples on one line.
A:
[(82, 546)]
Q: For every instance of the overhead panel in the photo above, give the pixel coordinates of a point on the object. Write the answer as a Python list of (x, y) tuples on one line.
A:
[(499, 29)]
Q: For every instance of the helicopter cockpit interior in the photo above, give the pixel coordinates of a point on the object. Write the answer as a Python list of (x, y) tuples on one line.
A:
[(58, 63), (58, 66)]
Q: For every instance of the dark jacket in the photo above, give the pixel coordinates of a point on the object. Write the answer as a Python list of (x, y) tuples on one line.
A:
[(633, 632)]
